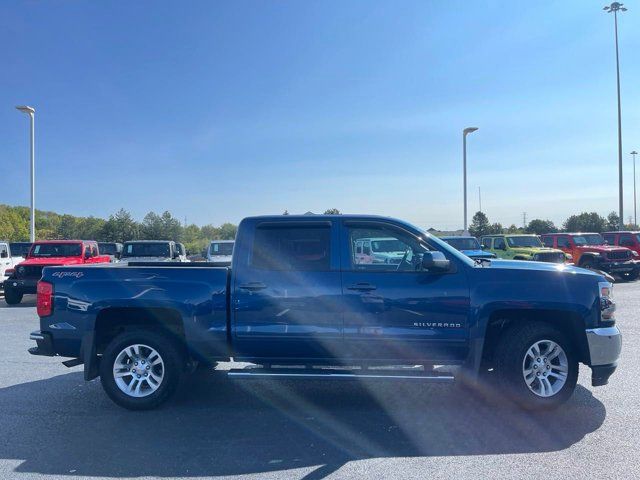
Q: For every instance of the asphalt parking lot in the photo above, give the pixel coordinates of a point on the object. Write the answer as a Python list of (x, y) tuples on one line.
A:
[(53, 424)]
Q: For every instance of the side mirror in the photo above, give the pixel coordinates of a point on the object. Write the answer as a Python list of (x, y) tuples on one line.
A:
[(87, 254), (176, 254), (435, 262), (4, 254)]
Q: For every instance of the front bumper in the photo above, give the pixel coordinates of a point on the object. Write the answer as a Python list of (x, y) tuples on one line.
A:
[(605, 345), (21, 285), (618, 268)]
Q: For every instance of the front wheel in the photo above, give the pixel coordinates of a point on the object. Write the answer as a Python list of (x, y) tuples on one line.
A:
[(536, 366), (12, 297), (140, 370)]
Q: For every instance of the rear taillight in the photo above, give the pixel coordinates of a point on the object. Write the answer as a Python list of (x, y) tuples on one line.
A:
[(44, 302), (9, 272)]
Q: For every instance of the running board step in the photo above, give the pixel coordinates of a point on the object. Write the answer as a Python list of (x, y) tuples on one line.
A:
[(334, 375)]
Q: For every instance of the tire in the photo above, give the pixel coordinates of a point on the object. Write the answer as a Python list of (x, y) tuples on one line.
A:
[(162, 376), (513, 360), (12, 297), (587, 263)]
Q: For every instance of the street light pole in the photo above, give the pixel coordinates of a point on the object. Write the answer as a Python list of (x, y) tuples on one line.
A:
[(465, 132), (635, 215), (615, 7), (31, 112)]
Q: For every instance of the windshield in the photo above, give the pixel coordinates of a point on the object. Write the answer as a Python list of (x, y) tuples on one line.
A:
[(388, 245), (56, 250), (146, 250), (463, 243), (19, 248), (590, 239), (217, 248), (107, 248), (524, 241)]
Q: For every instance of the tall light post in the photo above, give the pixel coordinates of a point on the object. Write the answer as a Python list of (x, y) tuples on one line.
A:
[(465, 132), (635, 215), (32, 112), (616, 7)]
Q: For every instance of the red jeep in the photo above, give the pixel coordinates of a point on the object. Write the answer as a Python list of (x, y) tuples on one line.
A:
[(24, 277), (630, 240), (589, 250)]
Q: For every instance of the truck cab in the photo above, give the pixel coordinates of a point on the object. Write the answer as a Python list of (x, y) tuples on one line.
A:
[(470, 246), (150, 251), (113, 249), (220, 252)]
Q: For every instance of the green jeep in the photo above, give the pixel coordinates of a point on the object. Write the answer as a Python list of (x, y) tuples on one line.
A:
[(522, 247)]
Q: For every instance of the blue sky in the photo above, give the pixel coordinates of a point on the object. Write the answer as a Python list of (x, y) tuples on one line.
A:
[(219, 110)]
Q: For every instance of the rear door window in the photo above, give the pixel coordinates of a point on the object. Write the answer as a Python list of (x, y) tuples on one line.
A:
[(547, 241), (626, 240), (563, 242), (297, 248)]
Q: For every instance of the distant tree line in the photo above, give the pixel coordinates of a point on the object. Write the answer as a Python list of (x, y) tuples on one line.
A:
[(583, 222), (119, 227)]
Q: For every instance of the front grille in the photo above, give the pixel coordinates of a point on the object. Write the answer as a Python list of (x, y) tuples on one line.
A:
[(619, 255), (551, 257), (29, 271)]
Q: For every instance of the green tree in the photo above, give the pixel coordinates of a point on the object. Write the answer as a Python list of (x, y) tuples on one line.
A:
[(171, 227), (539, 226), (513, 229), (332, 211), (585, 222), (228, 231), (151, 227), (613, 222), (479, 225), (120, 227)]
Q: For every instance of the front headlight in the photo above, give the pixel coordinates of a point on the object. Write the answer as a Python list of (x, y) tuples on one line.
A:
[(569, 257), (634, 253)]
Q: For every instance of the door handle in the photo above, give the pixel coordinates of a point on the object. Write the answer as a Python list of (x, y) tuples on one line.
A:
[(362, 287), (253, 286)]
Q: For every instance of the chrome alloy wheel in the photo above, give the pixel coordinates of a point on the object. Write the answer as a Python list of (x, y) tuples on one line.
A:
[(138, 370), (545, 368)]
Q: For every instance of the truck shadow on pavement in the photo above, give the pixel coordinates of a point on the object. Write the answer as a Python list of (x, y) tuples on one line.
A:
[(63, 426)]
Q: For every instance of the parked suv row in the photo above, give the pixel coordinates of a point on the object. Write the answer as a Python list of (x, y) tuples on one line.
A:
[(589, 250)]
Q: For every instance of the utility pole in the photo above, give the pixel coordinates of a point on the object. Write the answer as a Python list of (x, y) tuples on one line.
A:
[(32, 113), (480, 199), (635, 204), (615, 7), (465, 132), (524, 219)]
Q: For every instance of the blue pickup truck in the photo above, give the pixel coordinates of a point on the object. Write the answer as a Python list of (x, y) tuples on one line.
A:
[(298, 302)]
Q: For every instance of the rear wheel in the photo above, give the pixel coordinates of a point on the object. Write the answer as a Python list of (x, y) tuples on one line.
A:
[(141, 369), (536, 366), (12, 297)]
